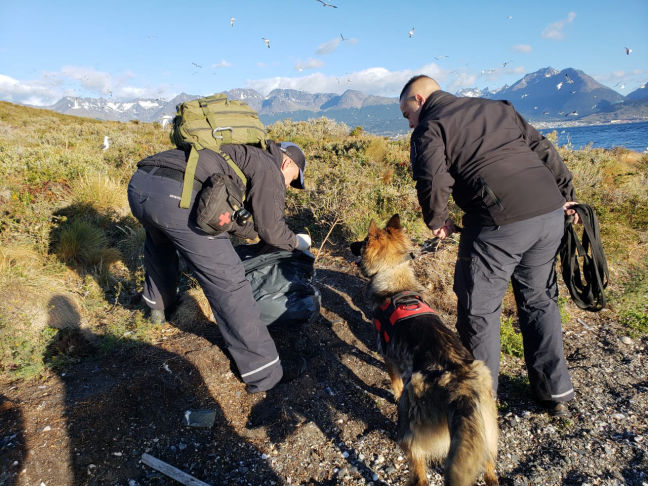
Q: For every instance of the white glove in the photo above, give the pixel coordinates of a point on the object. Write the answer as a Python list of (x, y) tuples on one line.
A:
[(303, 241)]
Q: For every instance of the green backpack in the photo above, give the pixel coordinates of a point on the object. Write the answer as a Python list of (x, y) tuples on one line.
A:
[(207, 123)]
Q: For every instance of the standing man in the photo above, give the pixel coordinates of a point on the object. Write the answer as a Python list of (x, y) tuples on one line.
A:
[(154, 193), (515, 191)]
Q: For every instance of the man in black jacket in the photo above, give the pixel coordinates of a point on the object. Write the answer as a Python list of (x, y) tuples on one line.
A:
[(154, 194), (515, 190)]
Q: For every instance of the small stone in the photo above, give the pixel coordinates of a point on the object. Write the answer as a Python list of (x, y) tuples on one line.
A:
[(374, 477), (345, 454), (626, 340), (47, 428)]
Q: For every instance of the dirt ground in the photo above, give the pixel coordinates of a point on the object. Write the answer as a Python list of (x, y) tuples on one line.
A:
[(333, 425)]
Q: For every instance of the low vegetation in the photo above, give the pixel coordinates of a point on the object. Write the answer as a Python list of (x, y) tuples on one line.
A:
[(71, 253)]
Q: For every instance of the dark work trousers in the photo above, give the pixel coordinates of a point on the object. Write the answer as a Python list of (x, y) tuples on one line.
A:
[(525, 254), (214, 263)]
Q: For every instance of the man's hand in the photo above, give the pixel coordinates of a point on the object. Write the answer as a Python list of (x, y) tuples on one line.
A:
[(571, 212), (303, 241), (446, 230)]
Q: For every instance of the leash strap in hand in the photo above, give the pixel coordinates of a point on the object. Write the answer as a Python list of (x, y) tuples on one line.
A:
[(586, 286)]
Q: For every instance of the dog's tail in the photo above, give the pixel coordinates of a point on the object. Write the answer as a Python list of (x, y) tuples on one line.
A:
[(467, 442), (472, 420)]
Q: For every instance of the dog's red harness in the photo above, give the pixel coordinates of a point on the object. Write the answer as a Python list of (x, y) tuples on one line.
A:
[(400, 307)]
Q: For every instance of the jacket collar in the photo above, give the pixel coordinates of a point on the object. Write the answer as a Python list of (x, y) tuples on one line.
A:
[(276, 153), (436, 99)]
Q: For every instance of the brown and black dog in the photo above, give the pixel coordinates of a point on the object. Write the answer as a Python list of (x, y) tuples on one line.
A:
[(446, 407)]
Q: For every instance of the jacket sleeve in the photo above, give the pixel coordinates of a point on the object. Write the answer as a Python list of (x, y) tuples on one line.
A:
[(266, 199), (433, 181), (545, 150)]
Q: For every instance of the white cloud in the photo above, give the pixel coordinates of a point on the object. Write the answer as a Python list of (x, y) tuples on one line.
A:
[(555, 30), (525, 48), (376, 80), (222, 64), (328, 47), (76, 81), (309, 64), (30, 92)]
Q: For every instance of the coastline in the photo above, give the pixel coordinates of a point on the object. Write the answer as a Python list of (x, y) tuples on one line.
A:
[(578, 123)]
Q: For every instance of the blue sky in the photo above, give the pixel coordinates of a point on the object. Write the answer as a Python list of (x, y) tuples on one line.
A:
[(158, 49)]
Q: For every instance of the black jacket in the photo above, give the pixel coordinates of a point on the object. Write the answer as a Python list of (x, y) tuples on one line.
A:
[(265, 191), (498, 168)]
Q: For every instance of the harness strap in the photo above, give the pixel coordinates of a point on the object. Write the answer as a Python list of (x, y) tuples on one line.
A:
[(585, 286)]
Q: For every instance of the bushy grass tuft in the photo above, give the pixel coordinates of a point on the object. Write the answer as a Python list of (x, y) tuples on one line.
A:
[(84, 244)]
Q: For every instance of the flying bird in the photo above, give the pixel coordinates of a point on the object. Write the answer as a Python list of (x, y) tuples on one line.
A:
[(342, 37), (196, 65), (267, 42), (569, 80), (628, 51), (106, 143), (411, 32), (232, 19), (326, 4), (559, 85)]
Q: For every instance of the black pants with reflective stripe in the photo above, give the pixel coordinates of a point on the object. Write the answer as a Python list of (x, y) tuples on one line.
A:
[(214, 263), (523, 253)]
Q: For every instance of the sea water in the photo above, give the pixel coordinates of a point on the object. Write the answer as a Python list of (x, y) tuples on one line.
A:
[(633, 136)]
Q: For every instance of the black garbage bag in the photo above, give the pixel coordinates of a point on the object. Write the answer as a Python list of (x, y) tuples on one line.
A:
[(281, 285)]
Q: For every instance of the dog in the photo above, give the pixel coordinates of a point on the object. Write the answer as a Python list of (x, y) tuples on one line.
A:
[(446, 407)]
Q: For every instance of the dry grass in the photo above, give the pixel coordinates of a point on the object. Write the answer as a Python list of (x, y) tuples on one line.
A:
[(72, 255)]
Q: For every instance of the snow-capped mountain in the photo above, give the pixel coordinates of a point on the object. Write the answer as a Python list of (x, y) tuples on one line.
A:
[(547, 95)]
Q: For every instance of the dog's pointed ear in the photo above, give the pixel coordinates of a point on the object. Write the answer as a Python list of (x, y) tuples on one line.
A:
[(394, 222), (373, 229)]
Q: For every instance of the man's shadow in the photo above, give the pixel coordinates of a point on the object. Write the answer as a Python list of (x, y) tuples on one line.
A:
[(13, 449), (130, 398)]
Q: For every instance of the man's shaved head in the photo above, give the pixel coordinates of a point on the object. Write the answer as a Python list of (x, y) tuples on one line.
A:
[(422, 85), (414, 95)]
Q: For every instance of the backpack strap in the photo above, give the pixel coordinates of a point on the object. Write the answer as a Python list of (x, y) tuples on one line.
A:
[(586, 286), (190, 171)]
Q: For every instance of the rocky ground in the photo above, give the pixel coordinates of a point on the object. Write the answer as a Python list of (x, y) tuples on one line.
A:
[(335, 423)]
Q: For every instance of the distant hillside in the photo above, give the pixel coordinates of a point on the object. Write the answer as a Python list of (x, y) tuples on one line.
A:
[(549, 94), (638, 94)]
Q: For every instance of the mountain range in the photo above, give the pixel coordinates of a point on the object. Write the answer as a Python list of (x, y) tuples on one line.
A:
[(547, 97)]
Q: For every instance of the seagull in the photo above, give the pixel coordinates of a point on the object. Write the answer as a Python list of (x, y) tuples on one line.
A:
[(569, 80), (196, 65), (510, 17), (559, 85), (232, 19), (342, 37), (628, 51), (267, 42), (326, 4), (106, 143), (411, 32)]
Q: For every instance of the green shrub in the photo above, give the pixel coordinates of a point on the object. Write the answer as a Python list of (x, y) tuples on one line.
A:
[(511, 339)]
